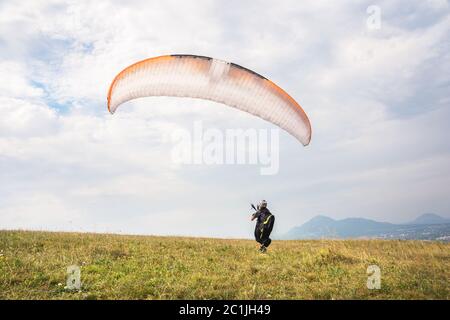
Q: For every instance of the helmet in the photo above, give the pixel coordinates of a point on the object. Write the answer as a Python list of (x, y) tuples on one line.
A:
[(263, 204)]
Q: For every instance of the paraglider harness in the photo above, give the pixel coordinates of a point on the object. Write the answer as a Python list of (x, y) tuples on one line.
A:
[(264, 227), (265, 223)]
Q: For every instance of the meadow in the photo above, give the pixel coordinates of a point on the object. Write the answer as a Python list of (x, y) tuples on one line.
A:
[(33, 265)]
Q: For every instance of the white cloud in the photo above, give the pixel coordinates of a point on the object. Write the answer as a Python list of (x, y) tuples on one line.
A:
[(21, 118), (16, 83), (64, 157), (38, 211)]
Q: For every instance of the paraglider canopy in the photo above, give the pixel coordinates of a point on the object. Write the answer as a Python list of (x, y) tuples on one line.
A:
[(211, 79)]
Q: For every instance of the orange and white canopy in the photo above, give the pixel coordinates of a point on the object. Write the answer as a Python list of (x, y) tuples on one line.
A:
[(211, 79)]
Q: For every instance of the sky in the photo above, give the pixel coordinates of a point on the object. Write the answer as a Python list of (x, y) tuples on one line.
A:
[(373, 77)]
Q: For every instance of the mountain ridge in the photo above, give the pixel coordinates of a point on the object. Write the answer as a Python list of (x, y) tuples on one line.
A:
[(430, 218), (425, 227)]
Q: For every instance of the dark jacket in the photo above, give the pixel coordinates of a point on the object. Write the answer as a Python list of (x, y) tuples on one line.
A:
[(264, 224), (261, 215)]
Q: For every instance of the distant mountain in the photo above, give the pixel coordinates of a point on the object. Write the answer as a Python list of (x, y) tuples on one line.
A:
[(425, 227), (430, 218), (322, 226)]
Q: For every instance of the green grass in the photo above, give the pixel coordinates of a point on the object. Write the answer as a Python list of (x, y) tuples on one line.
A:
[(33, 265)]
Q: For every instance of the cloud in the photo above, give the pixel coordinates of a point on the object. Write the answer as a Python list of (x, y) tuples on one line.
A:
[(39, 211), (17, 84), (377, 99)]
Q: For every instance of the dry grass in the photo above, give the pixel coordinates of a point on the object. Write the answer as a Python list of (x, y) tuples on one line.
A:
[(33, 266)]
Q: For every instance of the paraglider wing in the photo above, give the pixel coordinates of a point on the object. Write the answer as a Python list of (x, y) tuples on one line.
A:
[(211, 79)]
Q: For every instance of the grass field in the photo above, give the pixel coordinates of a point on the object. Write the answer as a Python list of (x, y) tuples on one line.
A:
[(33, 265)]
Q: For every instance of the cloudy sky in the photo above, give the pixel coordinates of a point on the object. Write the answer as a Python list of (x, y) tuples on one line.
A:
[(377, 95)]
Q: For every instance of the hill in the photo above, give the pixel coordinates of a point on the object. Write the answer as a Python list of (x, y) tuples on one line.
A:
[(430, 218), (425, 227), (33, 266)]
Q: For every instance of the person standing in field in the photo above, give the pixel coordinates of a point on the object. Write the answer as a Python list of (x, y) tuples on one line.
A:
[(264, 225)]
